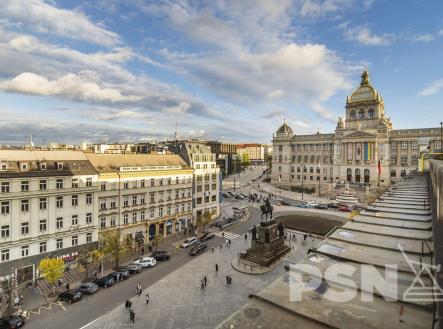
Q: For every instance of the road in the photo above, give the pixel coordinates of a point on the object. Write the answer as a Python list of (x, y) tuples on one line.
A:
[(90, 308)]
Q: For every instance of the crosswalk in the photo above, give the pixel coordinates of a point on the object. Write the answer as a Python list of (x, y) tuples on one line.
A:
[(227, 235)]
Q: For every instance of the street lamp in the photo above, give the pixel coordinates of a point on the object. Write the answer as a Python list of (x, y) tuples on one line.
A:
[(302, 179), (441, 137)]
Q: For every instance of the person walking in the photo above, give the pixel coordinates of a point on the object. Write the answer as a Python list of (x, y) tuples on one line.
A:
[(147, 299), (132, 317), (205, 279), (227, 279), (127, 304), (139, 289), (202, 285), (216, 267), (67, 286), (229, 241)]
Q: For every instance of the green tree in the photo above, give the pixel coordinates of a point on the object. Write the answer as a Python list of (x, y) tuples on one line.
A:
[(52, 269), (203, 220), (158, 238), (112, 245), (90, 259), (245, 160)]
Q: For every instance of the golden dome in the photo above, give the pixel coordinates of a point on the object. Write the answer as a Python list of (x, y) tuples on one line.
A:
[(365, 92)]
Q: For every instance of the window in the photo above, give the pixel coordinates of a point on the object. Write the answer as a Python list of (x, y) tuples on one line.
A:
[(25, 228), (414, 146), (125, 185), (88, 237), (134, 217), (142, 199), (404, 160), (414, 160), (214, 198), (24, 205), (43, 226), (43, 185), (74, 182), (3, 166), (103, 204), (88, 198), (151, 213), (23, 166), (59, 202), (88, 218), (59, 244), (59, 222), (125, 218), (60, 166), (59, 183), (89, 181), (280, 158), (74, 240), (199, 200), (125, 202), (361, 114), (5, 231), (5, 255), (352, 115), (113, 204), (142, 183), (371, 114), (404, 145), (112, 221), (43, 203), (312, 147), (103, 186), (280, 148), (134, 200), (312, 158), (142, 215), (74, 219), (25, 251), (42, 247), (102, 222), (25, 186), (152, 182), (168, 210), (74, 200), (42, 166), (160, 211), (5, 187)]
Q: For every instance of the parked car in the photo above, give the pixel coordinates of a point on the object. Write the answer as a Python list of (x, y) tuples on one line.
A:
[(121, 274), (88, 288), (231, 194), (146, 262), (189, 242), (134, 268), (344, 209), (311, 204), (302, 205), (70, 296), (333, 206), (321, 206), (224, 195), (283, 203), (11, 322), (198, 249), (161, 255), (105, 282), (207, 236)]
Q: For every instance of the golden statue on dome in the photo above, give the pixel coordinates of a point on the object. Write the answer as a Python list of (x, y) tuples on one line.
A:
[(364, 78), (340, 123)]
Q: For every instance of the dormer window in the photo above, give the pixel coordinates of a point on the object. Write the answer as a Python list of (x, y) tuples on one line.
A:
[(23, 166), (59, 166), (43, 166), (352, 115), (361, 114), (2, 166), (371, 114)]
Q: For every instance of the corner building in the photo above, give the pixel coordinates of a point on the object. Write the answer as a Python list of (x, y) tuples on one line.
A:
[(363, 140)]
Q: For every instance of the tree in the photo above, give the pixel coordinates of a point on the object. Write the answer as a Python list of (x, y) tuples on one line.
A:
[(112, 245), (90, 259), (157, 239), (8, 289), (245, 160), (52, 269), (203, 219)]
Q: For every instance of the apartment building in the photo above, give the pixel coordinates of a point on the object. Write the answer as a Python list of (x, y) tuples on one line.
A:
[(254, 152), (142, 195), (48, 208)]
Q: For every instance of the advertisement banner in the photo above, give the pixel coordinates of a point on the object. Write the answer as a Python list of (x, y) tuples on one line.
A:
[(358, 151), (350, 149)]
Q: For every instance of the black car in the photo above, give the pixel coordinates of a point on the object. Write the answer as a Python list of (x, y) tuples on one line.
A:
[(333, 206), (321, 206), (105, 281), (88, 288), (207, 236), (11, 322), (70, 296), (198, 249), (161, 255), (134, 268), (121, 274)]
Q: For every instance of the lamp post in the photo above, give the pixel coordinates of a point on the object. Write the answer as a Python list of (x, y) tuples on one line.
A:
[(441, 137), (302, 180)]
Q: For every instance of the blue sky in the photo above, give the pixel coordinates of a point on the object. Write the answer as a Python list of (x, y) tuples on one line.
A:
[(74, 71)]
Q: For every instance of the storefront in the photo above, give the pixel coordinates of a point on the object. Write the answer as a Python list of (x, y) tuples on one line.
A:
[(169, 227)]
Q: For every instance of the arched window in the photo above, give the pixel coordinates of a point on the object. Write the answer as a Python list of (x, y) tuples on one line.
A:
[(306, 159), (357, 175), (352, 115), (361, 114), (312, 159), (349, 174), (371, 113), (280, 158), (357, 172), (299, 159), (367, 177)]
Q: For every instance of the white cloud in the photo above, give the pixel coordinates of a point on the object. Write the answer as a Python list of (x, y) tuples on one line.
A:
[(432, 89), (45, 18), (422, 37), (440, 33), (70, 86), (181, 108), (321, 8), (364, 36), (111, 115)]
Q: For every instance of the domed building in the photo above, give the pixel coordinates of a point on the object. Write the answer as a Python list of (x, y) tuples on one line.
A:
[(364, 149)]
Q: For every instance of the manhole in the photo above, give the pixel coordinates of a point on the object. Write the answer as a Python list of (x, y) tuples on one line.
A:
[(252, 313)]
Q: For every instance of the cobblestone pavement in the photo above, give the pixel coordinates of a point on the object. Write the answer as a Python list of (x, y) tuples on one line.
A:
[(177, 300)]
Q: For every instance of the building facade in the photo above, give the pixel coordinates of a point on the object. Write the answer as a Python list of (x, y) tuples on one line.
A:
[(206, 180), (48, 208), (364, 149), (226, 157), (143, 195), (254, 152)]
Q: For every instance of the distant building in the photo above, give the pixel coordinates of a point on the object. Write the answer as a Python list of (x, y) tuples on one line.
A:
[(111, 148), (48, 208), (254, 152), (226, 157), (362, 146), (150, 148)]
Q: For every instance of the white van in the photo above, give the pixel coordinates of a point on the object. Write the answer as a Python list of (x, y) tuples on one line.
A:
[(189, 242)]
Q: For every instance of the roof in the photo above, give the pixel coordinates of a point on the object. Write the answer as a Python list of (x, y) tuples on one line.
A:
[(31, 155), (365, 92), (284, 130), (112, 162)]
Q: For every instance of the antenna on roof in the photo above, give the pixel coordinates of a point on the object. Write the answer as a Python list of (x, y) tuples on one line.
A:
[(176, 131), (31, 143)]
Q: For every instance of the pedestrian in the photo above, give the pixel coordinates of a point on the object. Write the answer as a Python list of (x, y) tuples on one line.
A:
[(227, 279), (205, 279), (139, 289), (67, 286), (147, 299), (128, 304), (132, 317), (229, 242), (216, 267), (202, 285), (118, 277), (246, 236)]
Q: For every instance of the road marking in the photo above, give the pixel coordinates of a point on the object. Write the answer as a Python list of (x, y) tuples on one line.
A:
[(227, 235), (86, 325), (49, 308)]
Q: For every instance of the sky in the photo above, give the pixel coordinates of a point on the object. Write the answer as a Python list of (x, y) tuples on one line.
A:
[(134, 70)]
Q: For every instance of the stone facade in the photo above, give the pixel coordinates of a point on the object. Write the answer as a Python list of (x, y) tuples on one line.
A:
[(364, 149)]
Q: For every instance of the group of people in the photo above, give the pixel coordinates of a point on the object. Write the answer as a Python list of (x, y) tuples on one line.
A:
[(128, 303), (203, 282)]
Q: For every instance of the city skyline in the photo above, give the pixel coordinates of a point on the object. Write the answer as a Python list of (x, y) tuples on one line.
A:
[(131, 71)]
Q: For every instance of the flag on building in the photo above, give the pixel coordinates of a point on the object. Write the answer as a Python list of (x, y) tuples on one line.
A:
[(379, 167)]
